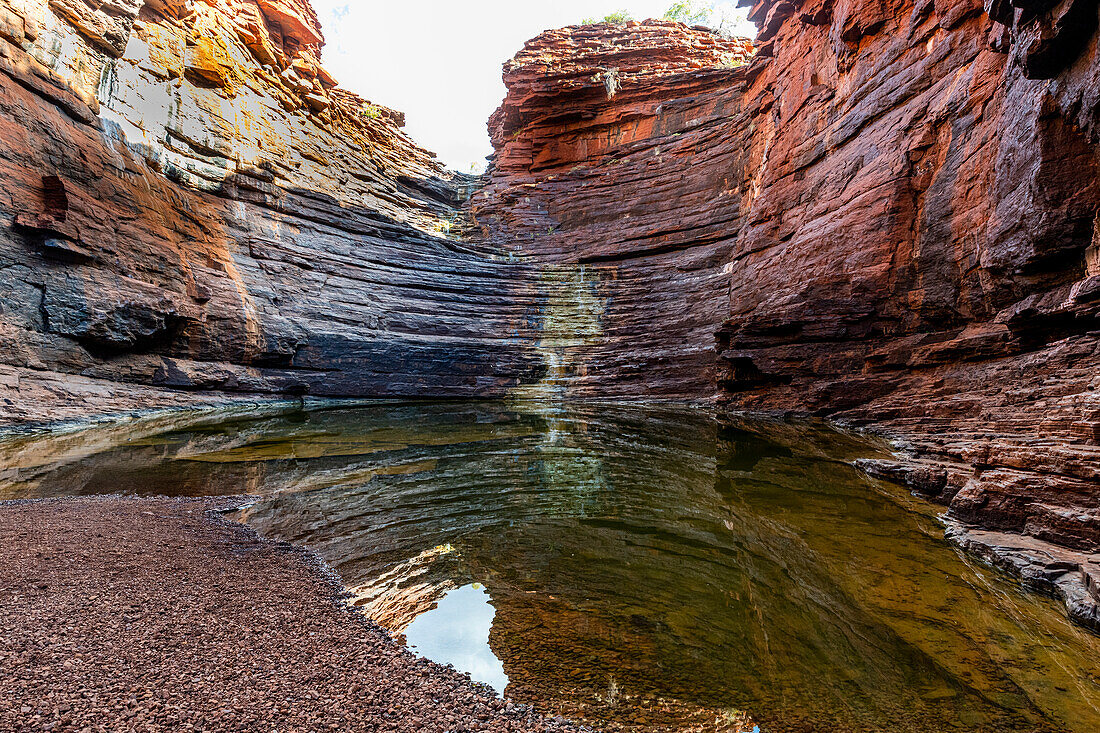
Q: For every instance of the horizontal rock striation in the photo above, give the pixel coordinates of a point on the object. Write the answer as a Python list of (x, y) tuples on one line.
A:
[(897, 203), (882, 212), (613, 161), (189, 202), (919, 249)]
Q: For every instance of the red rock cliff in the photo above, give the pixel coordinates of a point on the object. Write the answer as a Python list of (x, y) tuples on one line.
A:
[(888, 214), (613, 170), (920, 253), (191, 208), (898, 205)]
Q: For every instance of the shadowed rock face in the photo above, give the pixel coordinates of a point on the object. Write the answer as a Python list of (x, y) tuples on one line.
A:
[(189, 202), (881, 212), (920, 253), (917, 252)]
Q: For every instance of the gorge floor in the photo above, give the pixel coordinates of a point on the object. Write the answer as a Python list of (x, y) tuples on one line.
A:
[(645, 569), (151, 614)]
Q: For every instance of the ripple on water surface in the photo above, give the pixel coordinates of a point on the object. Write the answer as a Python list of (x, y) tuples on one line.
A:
[(649, 568)]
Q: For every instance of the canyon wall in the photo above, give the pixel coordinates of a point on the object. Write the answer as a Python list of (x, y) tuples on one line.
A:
[(921, 255), (919, 245), (882, 211), (888, 216), (194, 211), (614, 165), (190, 208)]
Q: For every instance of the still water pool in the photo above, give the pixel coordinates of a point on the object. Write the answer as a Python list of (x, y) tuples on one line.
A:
[(643, 568)]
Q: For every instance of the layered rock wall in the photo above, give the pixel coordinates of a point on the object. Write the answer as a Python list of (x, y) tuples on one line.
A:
[(919, 249), (615, 163), (189, 202), (899, 205), (884, 211)]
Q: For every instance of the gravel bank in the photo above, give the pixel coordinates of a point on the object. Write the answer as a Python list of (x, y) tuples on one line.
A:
[(155, 614)]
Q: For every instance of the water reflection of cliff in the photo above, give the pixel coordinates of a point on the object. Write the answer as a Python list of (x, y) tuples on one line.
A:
[(647, 564), (641, 556)]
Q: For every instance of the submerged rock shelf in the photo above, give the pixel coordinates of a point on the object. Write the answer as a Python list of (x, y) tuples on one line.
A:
[(886, 215), (651, 568)]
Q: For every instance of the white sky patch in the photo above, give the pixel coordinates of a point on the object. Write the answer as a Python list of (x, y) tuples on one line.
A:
[(439, 61), (456, 632)]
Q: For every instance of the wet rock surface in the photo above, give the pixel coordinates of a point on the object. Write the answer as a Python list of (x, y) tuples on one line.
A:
[(1072, 577), (155, 614)]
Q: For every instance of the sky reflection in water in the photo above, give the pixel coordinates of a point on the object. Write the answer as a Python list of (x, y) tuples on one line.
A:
[(456, 632)]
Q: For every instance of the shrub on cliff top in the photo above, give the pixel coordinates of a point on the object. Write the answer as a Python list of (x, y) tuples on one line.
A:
[(691, 12), (616, 18), (718, 17)]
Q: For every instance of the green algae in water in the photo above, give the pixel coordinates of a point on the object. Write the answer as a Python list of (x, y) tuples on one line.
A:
[(642, 564)]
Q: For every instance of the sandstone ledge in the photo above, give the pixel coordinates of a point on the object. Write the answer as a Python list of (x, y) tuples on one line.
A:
[(1071, 577)]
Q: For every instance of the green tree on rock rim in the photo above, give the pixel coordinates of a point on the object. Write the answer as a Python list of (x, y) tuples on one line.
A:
[(691, 12), (617, 18), (688, 12)]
